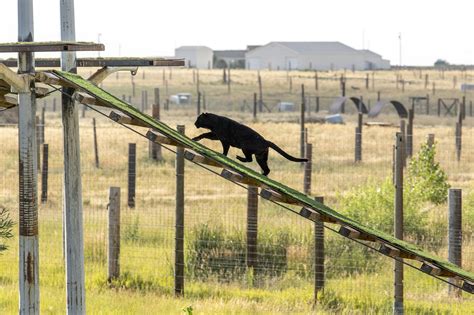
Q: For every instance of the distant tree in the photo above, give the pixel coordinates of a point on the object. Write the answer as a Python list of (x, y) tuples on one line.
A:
[(6, 225), (441, 63)]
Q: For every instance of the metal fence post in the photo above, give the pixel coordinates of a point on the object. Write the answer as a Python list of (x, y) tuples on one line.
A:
[(154, 148), (398, 222), (252, 227), (113, 257), (455, 234), (132, 173), (179, 227), (302, 121), (44, 174)]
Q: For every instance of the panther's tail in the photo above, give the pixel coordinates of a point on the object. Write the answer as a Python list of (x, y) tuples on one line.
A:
[(286, 155)]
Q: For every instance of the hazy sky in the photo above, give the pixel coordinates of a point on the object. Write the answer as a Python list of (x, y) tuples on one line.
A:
[(429, 29)]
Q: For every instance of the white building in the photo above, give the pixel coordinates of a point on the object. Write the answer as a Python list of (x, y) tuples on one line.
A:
[(312, 55), (195, 56)]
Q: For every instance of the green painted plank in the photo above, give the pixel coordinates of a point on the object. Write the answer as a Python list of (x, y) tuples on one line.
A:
[(87, 87)]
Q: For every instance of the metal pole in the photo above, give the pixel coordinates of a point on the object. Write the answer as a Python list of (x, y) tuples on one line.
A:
[(302, 118), (28, 177), (114, 234), (318, 254), (179, 224), (398, 222), (455, 234), (44, 174), (132, 173), (73, 231), (252, 226), (308, 169), (409, 138)]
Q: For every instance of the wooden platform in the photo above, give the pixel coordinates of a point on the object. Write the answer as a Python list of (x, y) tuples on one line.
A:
[(103, 62), (50, 46)]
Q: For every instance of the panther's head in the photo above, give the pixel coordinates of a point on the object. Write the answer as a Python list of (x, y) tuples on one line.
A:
[(204, 121)]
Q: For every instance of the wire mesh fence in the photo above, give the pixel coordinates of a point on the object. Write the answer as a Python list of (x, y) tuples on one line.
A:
[(216, 226)]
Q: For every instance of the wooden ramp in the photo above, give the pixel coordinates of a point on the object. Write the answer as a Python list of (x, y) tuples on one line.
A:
[(277, 192)]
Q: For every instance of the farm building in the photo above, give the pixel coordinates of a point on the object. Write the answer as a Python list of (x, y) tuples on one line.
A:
[(226, 58), (312, 55), (195, 56)]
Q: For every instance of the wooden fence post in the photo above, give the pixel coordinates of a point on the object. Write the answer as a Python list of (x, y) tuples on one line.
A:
[(409, 147), (254, 106), (317, 104), (113, 253), (252, 227), (398, 221), (430, 140), (366, 81), (458, 135), (154, 148), (96, 147), (132, 173), (179, 224), (358, 139), (403, 132), (198, 104), (44, 174), (455, 234), (302, 121)]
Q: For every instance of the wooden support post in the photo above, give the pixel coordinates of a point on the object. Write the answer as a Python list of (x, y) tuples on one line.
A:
[(430, 140), (455, 234), (463, 108), (319, 273), (132, 173), (29, 302), (316, 84), (179, 224), (96, 146), (44, 174), (398, 222), (254, 106), (113, 253), (308, 169), (252, 227), (198, 104), (72, 183), (409, 146), (260, 93), (154, 148), (403, 132), (302, 121), (358, 139)]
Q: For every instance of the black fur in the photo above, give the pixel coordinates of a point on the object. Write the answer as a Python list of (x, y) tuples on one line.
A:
[(231, 133)]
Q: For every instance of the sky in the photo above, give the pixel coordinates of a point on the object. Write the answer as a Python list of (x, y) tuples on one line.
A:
[(429, 30)]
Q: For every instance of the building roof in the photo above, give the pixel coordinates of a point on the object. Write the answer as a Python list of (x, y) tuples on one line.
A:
[(192, 48), (317, 47), (369, 52)]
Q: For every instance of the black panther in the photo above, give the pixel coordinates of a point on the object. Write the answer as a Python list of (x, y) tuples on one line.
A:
[(231, 133)]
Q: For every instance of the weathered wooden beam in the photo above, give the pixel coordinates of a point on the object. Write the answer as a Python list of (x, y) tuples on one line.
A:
[(50, 46), (7, 101), (101, 74), (102, 62), (191, 156), (353, 233), (86, 99), (395, 252), (276, 196), (434, 270), (19, 83), (49, 78), (122, 119), (152, 136), (239, 178), (41, 91), (315, 216)]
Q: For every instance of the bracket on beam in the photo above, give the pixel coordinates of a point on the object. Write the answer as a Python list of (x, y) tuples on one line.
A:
[(395, 252), (101, 74), (315, 216), (191, 156), (239, 178), (49, 78), (18, 83), (352, 233), (468, 286), (7, 101), (431, 269), (161, 139), (272, 195), (126, 120)]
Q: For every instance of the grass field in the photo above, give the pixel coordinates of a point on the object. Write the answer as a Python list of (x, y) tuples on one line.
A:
[(357, 280)]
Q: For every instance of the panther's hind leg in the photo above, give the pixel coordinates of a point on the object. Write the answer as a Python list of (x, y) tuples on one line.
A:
[(248, 156), (262, 159)]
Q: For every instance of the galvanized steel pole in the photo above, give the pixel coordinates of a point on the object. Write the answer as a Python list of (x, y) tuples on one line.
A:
[(28, 162), (72, 189), (398, 222)]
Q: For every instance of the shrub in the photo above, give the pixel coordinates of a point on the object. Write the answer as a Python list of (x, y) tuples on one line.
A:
[(425, 179), (214, 253), (6, 225)]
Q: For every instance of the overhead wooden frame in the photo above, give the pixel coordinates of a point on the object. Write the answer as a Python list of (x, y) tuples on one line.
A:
[(50, 46), (103, 62), (19, 83)]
